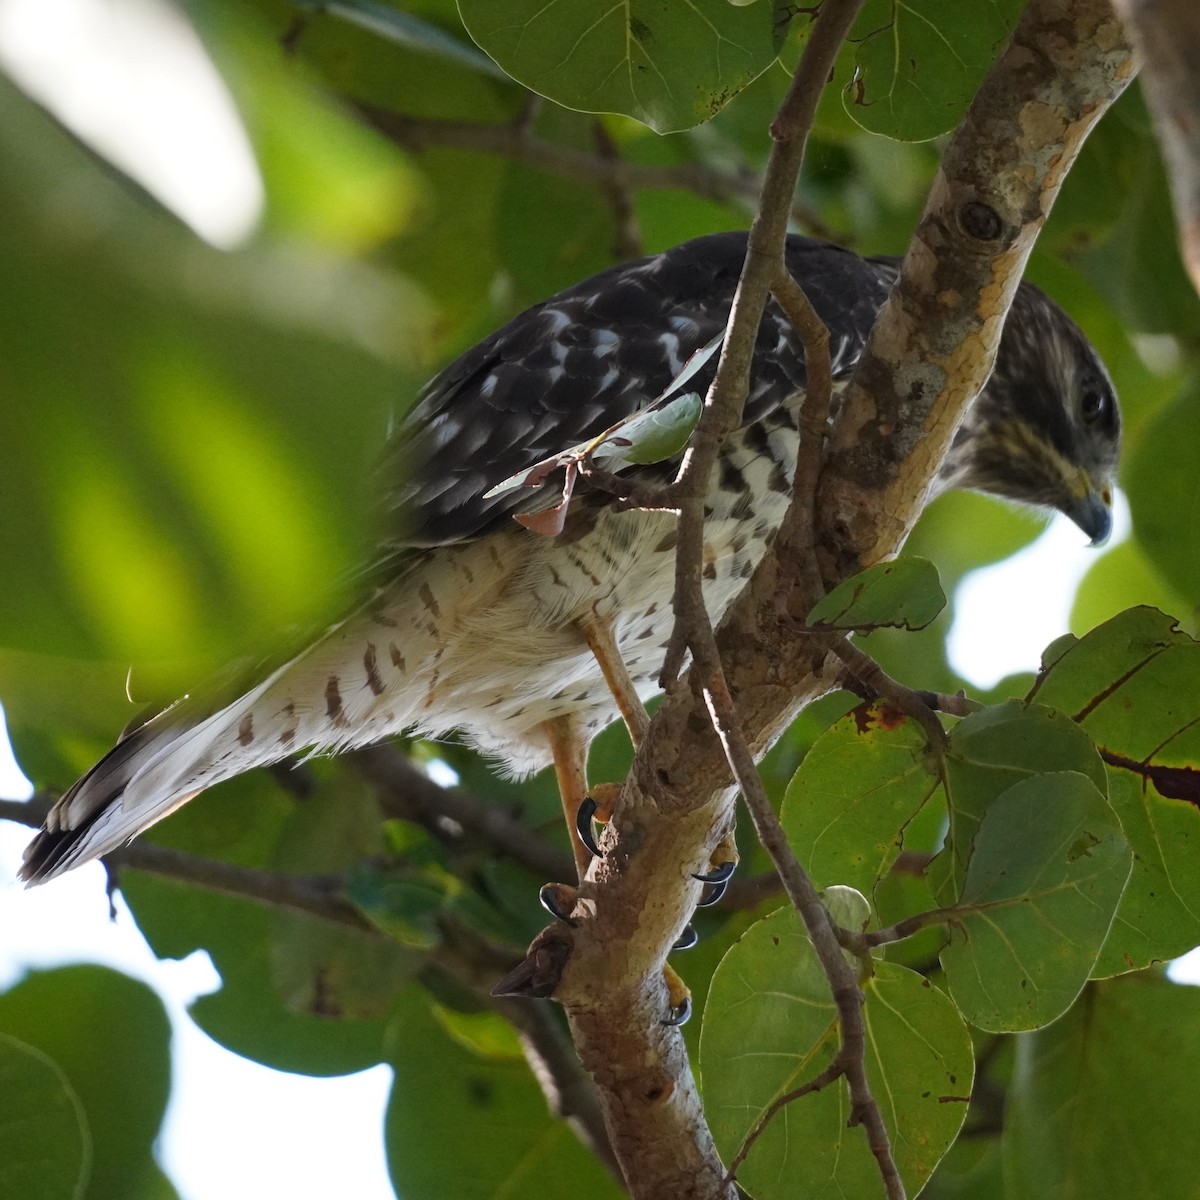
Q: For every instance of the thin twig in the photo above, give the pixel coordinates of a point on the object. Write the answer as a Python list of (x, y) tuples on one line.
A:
[(627, 236), (765, 271), (405, 791), (831, 1073), (516, 142)]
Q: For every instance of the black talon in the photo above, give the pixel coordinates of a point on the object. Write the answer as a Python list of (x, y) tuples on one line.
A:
[(583, 826), (719, 874), (713, 894), (680, 1015), (687, 939), (548, 895)]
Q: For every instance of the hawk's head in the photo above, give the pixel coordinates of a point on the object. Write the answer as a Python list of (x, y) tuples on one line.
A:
[(1046, 429)]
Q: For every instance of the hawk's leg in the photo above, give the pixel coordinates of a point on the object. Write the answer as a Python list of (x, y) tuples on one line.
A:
[(570, 770), (599, 635)]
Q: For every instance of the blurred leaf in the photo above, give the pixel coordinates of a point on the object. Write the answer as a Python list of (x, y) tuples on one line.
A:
[(1137, 267), (324, 968), (109, 1037), (670, 68), (1164, 492), (848, 907), (1121, 578), (770, 1025), (484, 1033), (857, 789), (1134, 685), (973, 1169), (920, 62), (405, 908), (905, 593), (241, 821), (1047, 868), (483, 1123), (43, 1129), (1100, 1100), (406, 30)]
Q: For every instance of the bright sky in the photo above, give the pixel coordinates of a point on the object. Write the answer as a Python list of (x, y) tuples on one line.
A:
[(130, 77)]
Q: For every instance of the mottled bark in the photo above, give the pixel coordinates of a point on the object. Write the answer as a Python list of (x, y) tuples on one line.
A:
[(930, 353)]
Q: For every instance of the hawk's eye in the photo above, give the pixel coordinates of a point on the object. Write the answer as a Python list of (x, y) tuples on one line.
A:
[(1093, 406)]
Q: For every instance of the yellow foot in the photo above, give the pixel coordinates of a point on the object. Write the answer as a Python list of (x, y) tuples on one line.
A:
[(721, 866), (597, 805), (679, 997)]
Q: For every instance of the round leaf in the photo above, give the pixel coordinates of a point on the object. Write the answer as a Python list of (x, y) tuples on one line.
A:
[(847, 806), (1134, 685), (770, 1025), (920, 62), (1047, 868), (669, 66), (47, 1148)]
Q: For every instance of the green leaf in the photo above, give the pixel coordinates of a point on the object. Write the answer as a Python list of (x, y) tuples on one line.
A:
[(1139, 270), (1101, 1101), (904, 594), (1160, 478), (1046, 872), (848, 907), (770, 1025), (973, 1169), (921, 61), (658, 433), (1134, 685), (847, 806), (405, 30), (988, 752), (329, 970), (43, 1128), (242, 821), (404, 907), (454, 1115), (109, 1037), (670, 67), (484, 1033)]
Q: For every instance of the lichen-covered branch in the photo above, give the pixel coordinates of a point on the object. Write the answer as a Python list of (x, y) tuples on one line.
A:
[(928, 357)]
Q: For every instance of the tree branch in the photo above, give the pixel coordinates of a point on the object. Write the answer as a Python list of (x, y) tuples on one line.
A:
[(936, 340), (405, 791), (517, 142)]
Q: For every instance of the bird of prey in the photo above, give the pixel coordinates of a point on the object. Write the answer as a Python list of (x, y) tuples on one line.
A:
[(529, 641)]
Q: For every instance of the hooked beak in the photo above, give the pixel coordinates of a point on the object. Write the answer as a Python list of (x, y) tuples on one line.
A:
[(1091, 510)]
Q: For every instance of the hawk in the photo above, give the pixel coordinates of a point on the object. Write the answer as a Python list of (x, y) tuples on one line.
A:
[(529, 644)]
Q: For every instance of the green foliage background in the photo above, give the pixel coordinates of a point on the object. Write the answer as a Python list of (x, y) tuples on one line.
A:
[(186, 441)]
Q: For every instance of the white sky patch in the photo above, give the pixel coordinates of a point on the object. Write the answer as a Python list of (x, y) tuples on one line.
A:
[(233, 1128), (132, 79), (274, 1134), (1006, 614)]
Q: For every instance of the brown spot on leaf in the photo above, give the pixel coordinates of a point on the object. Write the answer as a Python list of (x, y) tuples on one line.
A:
[(875, 714), (1175, 783)]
